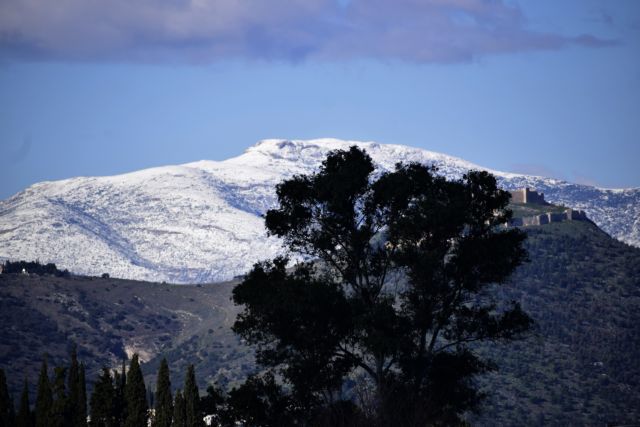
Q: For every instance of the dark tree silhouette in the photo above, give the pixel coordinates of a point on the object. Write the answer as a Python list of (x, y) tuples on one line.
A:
[(193, 416), (102, 399), (119, 401), (60, 414), (44, 398), (135, 396), (396, 290), (258, 402), (7, 409), (24, 417), (80, 413), (164, 402), (179, 411)]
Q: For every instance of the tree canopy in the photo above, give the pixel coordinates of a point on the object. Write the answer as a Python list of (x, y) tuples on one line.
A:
[(393, 290)]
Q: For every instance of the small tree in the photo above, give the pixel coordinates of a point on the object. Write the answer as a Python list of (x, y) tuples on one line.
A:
[(77, 401), (44, 398), (396, 291), (258, 402), (7, 410), (60, 409), (212, 402), (80, 412), (25, 417), (193, 416), (164, 402), (102, 399), (135, 396), (179, 411), (120, 403)]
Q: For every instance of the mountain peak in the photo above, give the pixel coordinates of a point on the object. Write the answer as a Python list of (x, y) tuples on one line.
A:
[(202, 221)]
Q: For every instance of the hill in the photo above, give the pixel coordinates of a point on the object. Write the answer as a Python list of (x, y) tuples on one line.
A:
[(579, 366), (201, 222), (110, 319)]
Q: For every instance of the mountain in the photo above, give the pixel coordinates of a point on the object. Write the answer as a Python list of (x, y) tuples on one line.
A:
[(579, 365), (201, 222)]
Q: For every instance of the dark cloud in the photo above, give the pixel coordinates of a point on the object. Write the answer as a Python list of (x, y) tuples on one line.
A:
[(208, 30)]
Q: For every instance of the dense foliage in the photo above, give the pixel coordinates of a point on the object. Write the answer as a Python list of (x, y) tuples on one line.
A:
[(400, 257), (33, 267)]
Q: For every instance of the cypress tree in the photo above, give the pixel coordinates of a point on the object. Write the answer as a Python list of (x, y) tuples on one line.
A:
[(135, 396), (80, 419), (73, 386), (120, 406), (179, 411), (44, 400), (192, 399), (102, 414), (164, 402), (7, 411), (59, 415), (25, 417)]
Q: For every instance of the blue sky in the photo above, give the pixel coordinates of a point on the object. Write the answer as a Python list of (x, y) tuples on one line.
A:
[(100, 87)]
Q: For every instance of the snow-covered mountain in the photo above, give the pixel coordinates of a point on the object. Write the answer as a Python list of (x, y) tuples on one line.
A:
[(201, 221)]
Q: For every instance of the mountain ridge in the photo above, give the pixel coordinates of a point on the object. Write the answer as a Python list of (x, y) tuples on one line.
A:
[(201, 221)]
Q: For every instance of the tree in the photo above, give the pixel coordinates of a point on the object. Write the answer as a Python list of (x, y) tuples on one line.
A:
[(77, 400), (395, 291), (179, 411), (213, 401), (135, 396), (25, 417), (164, 401), (119, 403), (258, 402), (193, 416), (60, 416), (102, 401), (7, 410), (80, 413), (44, 398)]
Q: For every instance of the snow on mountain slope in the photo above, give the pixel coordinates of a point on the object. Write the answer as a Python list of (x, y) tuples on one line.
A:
[(202, 222)]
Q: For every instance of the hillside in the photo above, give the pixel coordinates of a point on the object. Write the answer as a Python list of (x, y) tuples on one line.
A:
[(579, 366), (201, 222), (109, 319)]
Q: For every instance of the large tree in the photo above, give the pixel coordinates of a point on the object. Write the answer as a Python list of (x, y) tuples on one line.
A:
[(393, 289)]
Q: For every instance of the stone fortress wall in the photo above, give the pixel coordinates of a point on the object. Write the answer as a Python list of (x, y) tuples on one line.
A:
[(528, 196)]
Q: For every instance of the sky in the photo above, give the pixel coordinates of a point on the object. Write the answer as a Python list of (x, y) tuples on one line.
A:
[(101, 87)]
